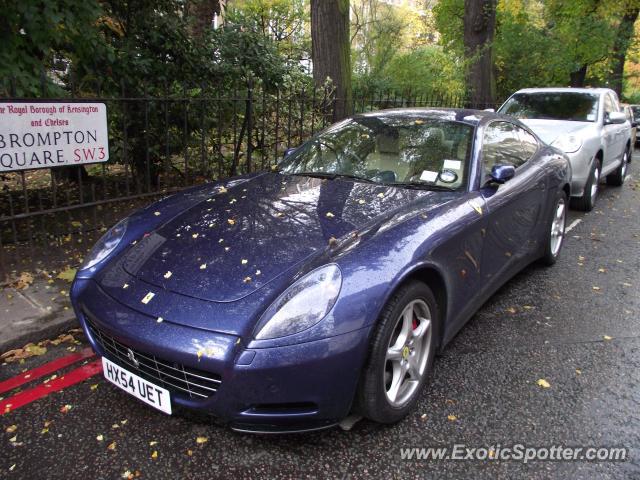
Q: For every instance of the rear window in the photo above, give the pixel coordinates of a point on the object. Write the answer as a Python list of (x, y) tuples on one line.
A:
[(573, 106)]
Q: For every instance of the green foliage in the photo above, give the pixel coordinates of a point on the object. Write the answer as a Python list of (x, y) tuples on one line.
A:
[(39, 37)]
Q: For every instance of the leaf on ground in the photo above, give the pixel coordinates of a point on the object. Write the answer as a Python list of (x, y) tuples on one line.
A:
[(65, 408), (452, 418), (154, 455), (24, 280), (112, 446), (100, 438), (607, 337), (201, 440), (11, 428), (543, 383), (67, 274)]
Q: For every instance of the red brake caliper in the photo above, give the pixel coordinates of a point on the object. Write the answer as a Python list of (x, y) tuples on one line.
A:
[(414, 323)]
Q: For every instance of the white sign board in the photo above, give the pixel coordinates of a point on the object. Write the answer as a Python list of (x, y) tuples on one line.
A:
[(45, 135)]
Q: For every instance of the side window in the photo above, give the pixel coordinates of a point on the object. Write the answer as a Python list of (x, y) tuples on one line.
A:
[(502, 145), (615, 103), (608, 106), (529, 143)]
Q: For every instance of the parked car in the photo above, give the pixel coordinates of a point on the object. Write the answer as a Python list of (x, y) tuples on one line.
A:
[(636, 115), (632, 119), (587, 124), (285, 300)]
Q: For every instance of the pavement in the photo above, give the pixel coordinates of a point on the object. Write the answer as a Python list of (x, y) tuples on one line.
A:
[(575, 325)]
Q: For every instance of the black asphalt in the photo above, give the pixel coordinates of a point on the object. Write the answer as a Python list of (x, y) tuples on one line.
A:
[(545, 323)]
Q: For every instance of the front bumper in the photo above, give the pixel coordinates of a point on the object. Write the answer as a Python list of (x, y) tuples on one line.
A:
[(293, 388)]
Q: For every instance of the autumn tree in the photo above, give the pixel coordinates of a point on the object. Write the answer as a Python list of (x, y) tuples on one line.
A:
[(330, 50), (479, 30), (621, 45)]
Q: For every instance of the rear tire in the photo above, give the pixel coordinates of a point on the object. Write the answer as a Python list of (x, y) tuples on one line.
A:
[(400, 355), (588, 199), (555, 230), (616, 179)]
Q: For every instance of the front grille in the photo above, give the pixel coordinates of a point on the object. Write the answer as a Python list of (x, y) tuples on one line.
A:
[(175, 377)]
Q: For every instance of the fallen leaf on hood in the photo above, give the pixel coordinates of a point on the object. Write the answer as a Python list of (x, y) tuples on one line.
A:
[(201, 440), (381, 195), (157, 214), (160, 320), (195, 235), (125, 286), (231, 221), (333, 241), (147, 298), (199, 353), (258, 272), (222, 190), (203, 266), (168, 275), (361, 201), (330, 215), (44, 430), (246, 279), (543, 383)]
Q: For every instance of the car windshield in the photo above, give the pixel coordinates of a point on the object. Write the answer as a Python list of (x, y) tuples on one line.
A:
[(407, 150), (573, 106)]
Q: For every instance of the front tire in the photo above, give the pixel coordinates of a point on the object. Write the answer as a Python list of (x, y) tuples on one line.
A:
[(588, 199), (616, 179), (555, 230), (401, 354)]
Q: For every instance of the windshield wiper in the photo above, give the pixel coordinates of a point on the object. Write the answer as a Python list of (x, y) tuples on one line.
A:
[(333, 176), (420, 186)]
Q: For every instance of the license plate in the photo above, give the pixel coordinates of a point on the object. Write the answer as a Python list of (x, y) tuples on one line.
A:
[(131, 383)]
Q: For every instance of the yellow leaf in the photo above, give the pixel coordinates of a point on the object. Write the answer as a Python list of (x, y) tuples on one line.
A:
[(68, 274), (578, 371), (511, 310), (231, 221), (543, 383), (597, 289), (100, 438), (154, 455), (201, 440), (76, 224), (112, 446), (11, 428), (147, 298), (44, 430), (152, 443), (607, 337), (452, 418), (602, 270)]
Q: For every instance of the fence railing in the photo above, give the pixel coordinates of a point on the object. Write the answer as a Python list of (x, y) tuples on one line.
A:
[(159, 145)]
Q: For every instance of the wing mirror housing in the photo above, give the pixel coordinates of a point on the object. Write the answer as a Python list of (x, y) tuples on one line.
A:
[(502, 173), (616, 117)]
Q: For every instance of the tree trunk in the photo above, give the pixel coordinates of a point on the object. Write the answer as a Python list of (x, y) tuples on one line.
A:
[(578, 77), (200, 14), (479, 31), (620, 47), (331, 50)]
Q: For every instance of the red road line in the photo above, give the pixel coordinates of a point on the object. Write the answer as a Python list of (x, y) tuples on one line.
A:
[(46, 369), (23, 398)]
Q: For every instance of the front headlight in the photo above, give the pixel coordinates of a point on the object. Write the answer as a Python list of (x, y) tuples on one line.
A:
[(568, 143), (303, 304), (107, 243)]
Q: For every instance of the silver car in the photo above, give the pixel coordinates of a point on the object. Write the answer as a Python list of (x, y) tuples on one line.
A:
[(588, 124)]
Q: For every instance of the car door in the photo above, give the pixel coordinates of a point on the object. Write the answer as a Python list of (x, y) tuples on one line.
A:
[(612, 135), (514, 208)]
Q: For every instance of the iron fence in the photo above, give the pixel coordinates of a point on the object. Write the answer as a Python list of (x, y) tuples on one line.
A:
[(159, 145)]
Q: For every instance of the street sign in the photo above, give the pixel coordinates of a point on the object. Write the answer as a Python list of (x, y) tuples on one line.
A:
[(46, 135)]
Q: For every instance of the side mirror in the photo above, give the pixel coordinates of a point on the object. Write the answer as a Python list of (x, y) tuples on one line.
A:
[(502, 173), (615, 117), (288, 152)]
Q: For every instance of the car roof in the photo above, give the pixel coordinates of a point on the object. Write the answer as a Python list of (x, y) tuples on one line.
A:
[(598, 91), (463, 115)]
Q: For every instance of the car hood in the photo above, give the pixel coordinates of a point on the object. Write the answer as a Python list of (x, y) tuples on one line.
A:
[(550, 130), (237, 239)]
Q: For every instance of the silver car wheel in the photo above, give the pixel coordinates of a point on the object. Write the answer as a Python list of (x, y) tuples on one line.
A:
[(594, 184), (625, 164), (557, 227), (407, 353)]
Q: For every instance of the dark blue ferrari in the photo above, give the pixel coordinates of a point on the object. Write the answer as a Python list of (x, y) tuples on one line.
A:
[(287, 300)]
